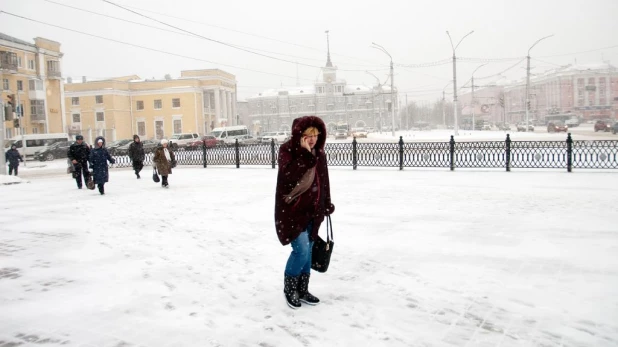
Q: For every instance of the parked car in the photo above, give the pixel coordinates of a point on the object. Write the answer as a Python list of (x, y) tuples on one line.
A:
[(341, 134), (602, 125), (504, 126), (112, 146), (149, 146), (210, 141), (279, 136), (359, 132), (554, 127), (247, 140), (57, 150), (486, 126), (182, 140), (615, 128), (522, 127)]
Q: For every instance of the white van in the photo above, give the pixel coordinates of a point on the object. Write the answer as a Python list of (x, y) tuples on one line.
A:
[(228, 135), (30, 143)]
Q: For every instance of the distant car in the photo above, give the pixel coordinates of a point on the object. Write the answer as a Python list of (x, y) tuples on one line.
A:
[(522, 127), (555, 127), (149, 146), (209, 140), (359, 132), (278, 136), (247, 140), (341, 134), (486, 126), (615, 128), (57, 150), (504, 126), (112, 146), (182, 140), (602, 125)]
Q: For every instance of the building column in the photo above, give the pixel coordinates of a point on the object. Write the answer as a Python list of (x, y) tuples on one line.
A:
[(234, 110), (217, 107), (223, 105), (230, 116)]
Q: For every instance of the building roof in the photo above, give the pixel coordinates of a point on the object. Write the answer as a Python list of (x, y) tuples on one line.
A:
[(6, 37)]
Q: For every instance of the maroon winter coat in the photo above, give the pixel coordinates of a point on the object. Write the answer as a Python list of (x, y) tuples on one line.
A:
[(292, 219)]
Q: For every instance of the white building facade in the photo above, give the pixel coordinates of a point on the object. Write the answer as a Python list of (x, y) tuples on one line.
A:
[(331, 99)]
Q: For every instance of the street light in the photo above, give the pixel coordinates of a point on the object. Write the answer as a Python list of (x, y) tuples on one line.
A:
[(379, 85), (455, 78), (528, 79), (376, 46), (443, 104), (473, 105)]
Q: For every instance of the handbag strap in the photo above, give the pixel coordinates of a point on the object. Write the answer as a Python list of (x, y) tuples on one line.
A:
[(329, 228)]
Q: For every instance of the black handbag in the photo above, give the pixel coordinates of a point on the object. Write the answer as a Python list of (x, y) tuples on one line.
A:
[(155, 176), (90, 183), (322, 250)]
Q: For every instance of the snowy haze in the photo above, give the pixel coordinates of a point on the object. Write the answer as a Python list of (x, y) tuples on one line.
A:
[(421, 258), (412, 32)]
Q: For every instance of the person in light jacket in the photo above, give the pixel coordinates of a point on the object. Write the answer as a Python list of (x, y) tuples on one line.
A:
[(164, 161), (302, 199)]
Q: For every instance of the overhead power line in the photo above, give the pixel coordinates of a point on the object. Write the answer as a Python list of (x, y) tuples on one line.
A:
[(147, 48)]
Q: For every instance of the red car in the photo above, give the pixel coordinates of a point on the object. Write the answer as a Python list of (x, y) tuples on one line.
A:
[(210, 141), (602, 125), (554, 127)]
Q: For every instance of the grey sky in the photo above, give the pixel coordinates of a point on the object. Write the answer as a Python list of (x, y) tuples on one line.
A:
[(413, 32)]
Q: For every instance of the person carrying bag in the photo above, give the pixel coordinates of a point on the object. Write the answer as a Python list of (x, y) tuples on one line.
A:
[(302, 199)]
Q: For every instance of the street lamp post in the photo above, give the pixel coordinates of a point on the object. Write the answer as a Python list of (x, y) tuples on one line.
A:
[(379, 86), (473, 104), (444, 104), (528, 79), (376, 46), (455, 78)]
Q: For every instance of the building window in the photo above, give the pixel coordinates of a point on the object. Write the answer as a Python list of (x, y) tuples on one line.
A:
[(176, 103), (158, 104), (5, 84), (141, 129), (53, 68), (20, 85), (77, 118), (139, 105), (177, 126), (99, 99), (100, 117), (35, 130), (37, 109), (75, 101), (19, 62), (35, 85), (31, 64)]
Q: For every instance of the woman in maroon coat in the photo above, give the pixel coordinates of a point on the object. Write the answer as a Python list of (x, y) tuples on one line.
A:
[(301, 202)]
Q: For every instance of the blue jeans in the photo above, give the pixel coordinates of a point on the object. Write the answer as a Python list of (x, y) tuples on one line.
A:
[(299, 261)]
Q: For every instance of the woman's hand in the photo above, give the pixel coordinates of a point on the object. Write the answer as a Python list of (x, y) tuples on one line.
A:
[(304, 144)]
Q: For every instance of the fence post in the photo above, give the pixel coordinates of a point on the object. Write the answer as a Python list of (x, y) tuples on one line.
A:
[(452, 152), (272, 152), (204, 152), (237, 153), (400, 152), (508, 153), (569, 153), (354, 160)]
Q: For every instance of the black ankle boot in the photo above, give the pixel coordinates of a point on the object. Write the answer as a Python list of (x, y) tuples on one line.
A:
[(290, 289), (101, 189), (303, 290)]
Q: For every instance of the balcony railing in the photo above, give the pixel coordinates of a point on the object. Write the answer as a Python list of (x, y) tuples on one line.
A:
[(54, 73), (8, 61)]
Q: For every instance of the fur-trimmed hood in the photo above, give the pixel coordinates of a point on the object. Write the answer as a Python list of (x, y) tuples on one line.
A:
[(301, 124)]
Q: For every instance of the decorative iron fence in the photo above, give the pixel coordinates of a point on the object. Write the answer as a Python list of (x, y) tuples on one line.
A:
[(569, 154)]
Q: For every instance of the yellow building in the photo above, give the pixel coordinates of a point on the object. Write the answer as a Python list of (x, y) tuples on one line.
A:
[(31, 74), (117, 108)]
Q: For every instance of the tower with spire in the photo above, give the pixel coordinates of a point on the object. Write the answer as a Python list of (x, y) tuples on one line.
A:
[(329, 72)]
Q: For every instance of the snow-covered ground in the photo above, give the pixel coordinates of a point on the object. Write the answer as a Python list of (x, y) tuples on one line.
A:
[(421, 258)]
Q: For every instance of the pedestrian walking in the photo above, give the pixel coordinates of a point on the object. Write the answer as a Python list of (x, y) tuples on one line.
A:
[(78, 154), (302, 200), (137, 155), (164, 160), (12, 157), (99, 157)]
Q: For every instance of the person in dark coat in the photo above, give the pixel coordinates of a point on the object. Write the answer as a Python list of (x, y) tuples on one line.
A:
[(302, 200), (136, 154), (164, 160), (78, 154), (99, 157), (12, 157)]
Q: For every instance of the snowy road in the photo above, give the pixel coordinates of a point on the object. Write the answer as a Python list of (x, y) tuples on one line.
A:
[(422, 258)]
